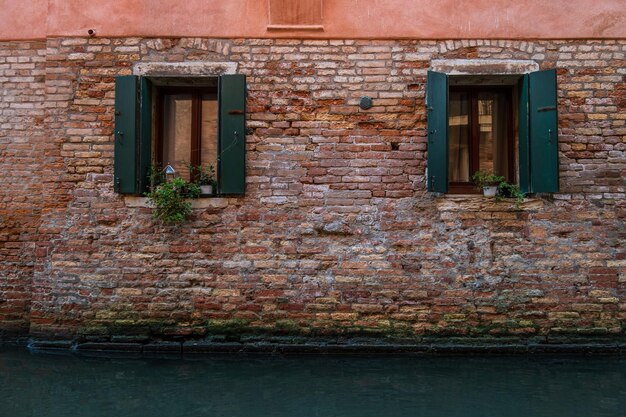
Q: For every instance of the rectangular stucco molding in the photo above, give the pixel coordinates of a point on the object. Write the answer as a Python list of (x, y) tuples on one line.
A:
[(483, 66), (184, 69)]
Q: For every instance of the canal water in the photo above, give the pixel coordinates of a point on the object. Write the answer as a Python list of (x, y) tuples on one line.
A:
[(46, 385)]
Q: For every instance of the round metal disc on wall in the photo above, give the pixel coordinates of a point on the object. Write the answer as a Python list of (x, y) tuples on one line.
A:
[(366, 103)]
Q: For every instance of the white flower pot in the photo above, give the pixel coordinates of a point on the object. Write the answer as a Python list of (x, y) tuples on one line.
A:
[(206, 189), (490, 190)]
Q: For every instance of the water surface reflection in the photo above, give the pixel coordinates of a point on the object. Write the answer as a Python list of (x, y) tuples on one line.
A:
[(256, 386)]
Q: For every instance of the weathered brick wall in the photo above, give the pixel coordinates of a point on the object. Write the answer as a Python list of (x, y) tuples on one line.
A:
[(336, 233), (22, 152)]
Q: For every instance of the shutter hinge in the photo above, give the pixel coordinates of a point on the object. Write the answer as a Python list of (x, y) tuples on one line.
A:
[(431, 135)]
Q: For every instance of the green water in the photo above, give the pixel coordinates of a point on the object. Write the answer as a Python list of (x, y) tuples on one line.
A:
[(255, 386)]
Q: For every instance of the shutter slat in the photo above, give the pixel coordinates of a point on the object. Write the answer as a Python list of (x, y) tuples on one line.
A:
[(543, 132), (125, 166), (524, 151), (232, 134), (145, 135), (437, 107)]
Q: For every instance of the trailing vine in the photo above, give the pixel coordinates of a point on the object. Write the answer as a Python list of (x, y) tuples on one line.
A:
[(170, 200)]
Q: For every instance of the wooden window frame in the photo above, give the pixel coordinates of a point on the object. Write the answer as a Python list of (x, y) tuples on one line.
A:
[(196, 120), (474, 143)]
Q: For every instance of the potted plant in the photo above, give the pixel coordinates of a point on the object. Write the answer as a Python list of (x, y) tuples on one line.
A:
[(170, 200), (488, 182), (156, 177), (506, 190), (204, 178)]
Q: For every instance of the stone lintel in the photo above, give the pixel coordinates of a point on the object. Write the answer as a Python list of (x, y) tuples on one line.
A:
[(184, 69), (484, 66)]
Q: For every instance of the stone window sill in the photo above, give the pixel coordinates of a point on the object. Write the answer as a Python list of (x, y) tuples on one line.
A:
[(475, 202), (196, 203)]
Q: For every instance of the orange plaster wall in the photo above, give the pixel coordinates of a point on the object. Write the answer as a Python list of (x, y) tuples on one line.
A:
[(453, 19), (23, 19), (420, 19), (211, 18)]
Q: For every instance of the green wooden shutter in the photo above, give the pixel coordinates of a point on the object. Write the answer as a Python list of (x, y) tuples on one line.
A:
[(133, 134), (524, 149), (145, 135), (437, 107), (232, 134), (125, 165), (543, 132)]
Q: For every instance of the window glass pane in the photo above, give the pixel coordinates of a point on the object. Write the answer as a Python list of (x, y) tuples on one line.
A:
[(458, 136), (208, 132), (177, 132), (492, 120)]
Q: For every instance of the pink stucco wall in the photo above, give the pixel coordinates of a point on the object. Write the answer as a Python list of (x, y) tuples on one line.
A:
[(23, 19), (422, 19)]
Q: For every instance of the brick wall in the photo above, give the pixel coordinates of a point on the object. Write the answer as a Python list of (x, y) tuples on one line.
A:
[(22, 152), (336, 233)]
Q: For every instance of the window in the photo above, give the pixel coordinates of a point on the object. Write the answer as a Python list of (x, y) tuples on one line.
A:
[(166, 120), (480, 135), (511, 130), (186, 127)]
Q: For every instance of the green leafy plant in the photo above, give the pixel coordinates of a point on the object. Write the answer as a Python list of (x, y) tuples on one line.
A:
[(507, 190), (170, 200), (486, 179), (202, 175), (156, 176), (504, 190)]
